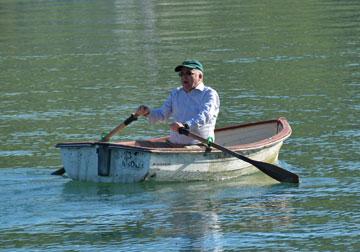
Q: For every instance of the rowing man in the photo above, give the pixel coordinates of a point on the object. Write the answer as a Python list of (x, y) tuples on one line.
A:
[(193, 105)]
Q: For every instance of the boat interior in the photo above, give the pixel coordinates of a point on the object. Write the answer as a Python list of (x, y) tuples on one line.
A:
[(245, 134)]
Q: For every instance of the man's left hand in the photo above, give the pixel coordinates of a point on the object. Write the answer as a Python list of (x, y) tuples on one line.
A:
[(176, 126)]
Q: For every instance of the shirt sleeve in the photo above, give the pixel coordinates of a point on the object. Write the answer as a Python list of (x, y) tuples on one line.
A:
[(162, 113)]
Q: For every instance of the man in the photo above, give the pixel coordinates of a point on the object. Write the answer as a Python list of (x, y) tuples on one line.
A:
[(193, 106)]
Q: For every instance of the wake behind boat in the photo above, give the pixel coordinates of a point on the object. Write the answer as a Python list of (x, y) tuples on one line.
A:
[(157, 159)]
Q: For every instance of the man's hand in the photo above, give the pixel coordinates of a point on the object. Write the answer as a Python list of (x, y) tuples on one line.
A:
[(142, 110), (176, 126)]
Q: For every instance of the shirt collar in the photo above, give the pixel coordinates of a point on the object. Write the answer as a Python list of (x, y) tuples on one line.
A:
[(200, 87)]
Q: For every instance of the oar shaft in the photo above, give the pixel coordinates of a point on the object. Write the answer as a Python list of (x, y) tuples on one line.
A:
[(222, 148), (116, 130)]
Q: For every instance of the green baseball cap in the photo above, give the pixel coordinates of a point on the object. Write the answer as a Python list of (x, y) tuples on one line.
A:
[(192, 64)]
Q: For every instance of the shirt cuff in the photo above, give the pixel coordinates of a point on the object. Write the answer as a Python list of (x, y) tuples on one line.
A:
[(189, 124)]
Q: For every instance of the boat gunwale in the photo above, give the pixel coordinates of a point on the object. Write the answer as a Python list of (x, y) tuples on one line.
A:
[(280, 136)]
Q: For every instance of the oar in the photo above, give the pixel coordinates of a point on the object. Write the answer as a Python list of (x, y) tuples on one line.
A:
[(60, 171), (271, 170), (116, 130), (106, 138)]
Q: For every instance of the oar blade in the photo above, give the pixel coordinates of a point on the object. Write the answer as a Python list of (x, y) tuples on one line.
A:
[(276, 172), (59, 172)]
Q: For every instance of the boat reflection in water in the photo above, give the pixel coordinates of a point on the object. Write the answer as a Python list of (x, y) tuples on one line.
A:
[(191, 216)]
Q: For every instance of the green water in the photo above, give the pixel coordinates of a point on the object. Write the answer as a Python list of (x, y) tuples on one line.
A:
[(70, 70)]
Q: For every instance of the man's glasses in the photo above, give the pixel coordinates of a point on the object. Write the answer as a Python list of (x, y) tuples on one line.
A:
[(187, 73)]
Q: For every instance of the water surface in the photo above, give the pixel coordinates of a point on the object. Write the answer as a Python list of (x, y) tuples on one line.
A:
[(73, 69)]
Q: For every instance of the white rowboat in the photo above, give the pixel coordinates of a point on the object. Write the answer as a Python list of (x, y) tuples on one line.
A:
[(157, 159)]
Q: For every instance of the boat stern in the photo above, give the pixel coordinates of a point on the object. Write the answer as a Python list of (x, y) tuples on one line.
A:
[(98, 162)]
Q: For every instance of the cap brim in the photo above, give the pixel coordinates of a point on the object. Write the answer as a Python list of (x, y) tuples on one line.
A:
[(179, 67)]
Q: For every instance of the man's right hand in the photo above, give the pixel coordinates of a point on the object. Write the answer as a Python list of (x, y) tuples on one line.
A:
[(142, 110)]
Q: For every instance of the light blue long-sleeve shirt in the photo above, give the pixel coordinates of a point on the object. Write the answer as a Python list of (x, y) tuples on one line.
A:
[(198, 109)]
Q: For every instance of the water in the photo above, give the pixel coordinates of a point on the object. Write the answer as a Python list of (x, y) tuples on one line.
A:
[(73, 69)]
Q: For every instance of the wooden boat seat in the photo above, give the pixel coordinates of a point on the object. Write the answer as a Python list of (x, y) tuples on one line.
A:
[(164, 144)]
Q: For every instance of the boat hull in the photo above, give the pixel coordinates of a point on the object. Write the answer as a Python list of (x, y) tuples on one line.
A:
[(128, 166), (126, 163)]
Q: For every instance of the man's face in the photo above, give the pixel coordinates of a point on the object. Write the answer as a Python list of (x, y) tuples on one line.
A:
[(190, 78)]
